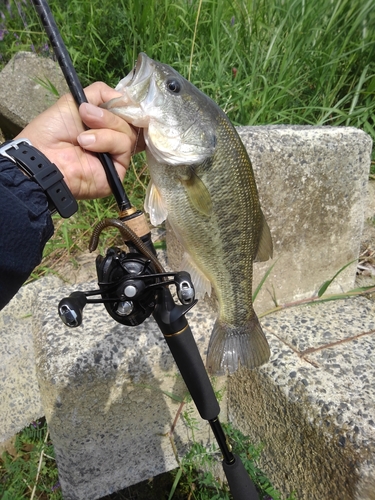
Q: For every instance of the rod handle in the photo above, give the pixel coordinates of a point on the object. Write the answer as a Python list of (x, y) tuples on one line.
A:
[(189, 362), (240, 484), (171, 320)]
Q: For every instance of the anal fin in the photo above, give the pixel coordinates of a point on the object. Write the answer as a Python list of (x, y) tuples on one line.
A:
[(202, 284), (265, 247)]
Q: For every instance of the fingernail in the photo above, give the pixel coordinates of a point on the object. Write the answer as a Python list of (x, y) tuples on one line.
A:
[(86, 139), (93, 110)]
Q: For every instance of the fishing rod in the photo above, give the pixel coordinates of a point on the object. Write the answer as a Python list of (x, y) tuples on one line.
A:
[(78, 94), (133, 285)]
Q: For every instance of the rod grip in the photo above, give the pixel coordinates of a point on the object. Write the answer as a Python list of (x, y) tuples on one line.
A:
[(240, 484), (189, 362)]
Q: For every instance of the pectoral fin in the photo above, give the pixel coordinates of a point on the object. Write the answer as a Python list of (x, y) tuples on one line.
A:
[(265, 248), (154, 205), (197, 192)]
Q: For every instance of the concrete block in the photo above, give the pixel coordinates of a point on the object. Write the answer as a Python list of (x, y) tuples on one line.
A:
[(104, 389), (312, 184), (20, 401), (22, 95), (313, 405)]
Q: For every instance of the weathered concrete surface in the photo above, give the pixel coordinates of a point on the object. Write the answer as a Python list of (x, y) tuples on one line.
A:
[(104, 389), (22, 94), (20, 401), (312, 183), (313, 405)]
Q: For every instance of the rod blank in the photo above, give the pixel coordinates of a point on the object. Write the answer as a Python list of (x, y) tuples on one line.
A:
[(75, 87)]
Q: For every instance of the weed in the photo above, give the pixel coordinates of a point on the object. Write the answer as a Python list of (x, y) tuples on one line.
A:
[(321, 295), (29, 471), (200, 477)]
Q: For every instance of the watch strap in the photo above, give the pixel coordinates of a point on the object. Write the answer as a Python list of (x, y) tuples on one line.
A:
[(37, 166)]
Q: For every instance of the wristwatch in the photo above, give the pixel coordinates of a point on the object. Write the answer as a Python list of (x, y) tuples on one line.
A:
[(45, 173)]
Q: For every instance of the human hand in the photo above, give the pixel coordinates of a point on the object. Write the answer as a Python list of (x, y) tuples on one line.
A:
[(60, 135)]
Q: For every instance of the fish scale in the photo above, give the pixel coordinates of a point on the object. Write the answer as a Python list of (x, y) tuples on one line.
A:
[(203, 182)]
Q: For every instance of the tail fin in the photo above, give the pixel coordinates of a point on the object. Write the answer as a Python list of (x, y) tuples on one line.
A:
[(233, 346)]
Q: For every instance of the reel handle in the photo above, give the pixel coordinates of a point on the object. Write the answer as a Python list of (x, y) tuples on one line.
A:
[(70, 309)]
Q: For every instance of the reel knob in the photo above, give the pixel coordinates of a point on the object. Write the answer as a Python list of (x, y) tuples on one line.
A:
[(70, 309), (185, 288)]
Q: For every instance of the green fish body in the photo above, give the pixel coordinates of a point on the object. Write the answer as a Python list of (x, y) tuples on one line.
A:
[(202, 181)]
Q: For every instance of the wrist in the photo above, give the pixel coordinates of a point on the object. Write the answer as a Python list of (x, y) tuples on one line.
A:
[(35, 165)]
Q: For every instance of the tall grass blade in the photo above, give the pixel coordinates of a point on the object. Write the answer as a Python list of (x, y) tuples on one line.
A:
[(357, 93), (194, 38), (175, 483), (262, 281), (327, 283)]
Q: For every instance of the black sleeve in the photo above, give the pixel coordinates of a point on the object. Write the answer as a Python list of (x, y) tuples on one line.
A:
[(25, 227)]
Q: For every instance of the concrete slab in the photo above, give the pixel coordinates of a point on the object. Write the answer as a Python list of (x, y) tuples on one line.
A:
[(20, 401), (24, 75), (313, 405)]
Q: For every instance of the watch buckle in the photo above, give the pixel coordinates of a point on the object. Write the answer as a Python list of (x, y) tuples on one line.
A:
[(13, 144)]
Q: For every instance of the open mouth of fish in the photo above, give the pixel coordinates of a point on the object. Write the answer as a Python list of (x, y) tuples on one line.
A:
[(140, 75), (139, 93)]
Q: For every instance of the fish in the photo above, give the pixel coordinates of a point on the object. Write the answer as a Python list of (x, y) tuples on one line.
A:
[(203, 183)]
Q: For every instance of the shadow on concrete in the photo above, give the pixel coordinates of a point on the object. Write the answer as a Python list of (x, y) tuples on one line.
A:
[(104, 403)]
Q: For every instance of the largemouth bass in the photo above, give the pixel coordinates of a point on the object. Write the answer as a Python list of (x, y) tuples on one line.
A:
[(203, 182)]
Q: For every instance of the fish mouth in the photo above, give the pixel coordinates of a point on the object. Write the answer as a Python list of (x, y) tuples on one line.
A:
[(138, 91), (140, 74)]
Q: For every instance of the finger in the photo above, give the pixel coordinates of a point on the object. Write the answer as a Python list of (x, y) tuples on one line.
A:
[(99, 92), (95, 117), (107, 141)]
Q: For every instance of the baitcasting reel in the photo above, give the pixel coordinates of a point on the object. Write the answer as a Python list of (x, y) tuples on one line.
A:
[(128, 284)]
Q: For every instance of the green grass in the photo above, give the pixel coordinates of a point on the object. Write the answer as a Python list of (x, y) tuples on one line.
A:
[(28, 469), (295, 61), (263, 61), (197, 476)]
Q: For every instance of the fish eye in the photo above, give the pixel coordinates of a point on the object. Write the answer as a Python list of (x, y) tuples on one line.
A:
[(173, 85)]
